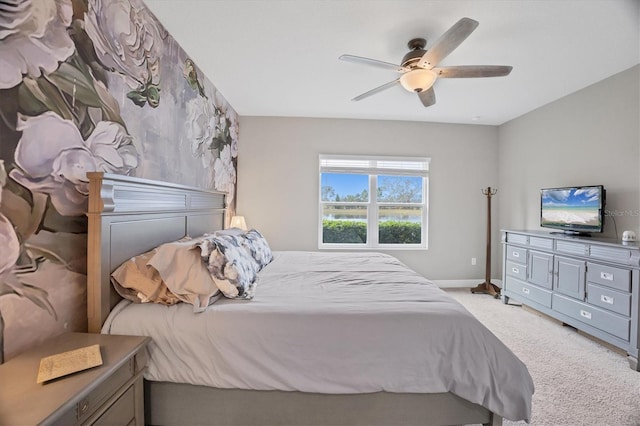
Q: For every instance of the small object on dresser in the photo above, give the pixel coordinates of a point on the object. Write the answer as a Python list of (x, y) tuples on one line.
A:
[(65, 363), (628, 236)]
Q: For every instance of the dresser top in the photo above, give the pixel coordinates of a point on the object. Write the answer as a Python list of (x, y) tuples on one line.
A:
[(559, 235)]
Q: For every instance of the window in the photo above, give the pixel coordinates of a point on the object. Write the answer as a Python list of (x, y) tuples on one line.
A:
[(373, 202)]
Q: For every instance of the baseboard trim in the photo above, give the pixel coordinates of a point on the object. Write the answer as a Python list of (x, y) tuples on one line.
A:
[(463, 283)]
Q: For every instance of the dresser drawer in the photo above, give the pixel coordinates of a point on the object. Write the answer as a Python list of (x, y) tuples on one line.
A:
[(517, 254), (571, 247), (517, 270), (611, 253), (545, 243), (609, 276), (523, 291), (517, 238), (609, 322), (607, 298)]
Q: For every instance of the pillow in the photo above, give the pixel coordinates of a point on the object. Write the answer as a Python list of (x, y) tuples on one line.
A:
[(134, 280), (181, 268), (230, 264), (259, 248)]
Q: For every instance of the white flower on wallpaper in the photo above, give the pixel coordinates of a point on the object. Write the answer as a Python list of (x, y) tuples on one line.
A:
[(52, 158), (33, 38), (201, 128), (225, 174), (128, 40)]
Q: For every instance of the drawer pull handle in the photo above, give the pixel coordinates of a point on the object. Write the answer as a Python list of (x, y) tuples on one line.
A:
[(515, 270), (606, 299), (515, 254), (82, 408), (606, 276), (525, 290), (585, 314)]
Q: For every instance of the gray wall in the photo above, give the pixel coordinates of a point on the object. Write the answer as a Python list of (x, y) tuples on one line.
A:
[(589, 137), (278, 181)]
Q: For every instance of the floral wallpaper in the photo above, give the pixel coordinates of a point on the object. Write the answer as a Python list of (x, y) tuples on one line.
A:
[(89, 85)]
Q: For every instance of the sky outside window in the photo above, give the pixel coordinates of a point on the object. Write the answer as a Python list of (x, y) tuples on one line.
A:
[(343, 185)]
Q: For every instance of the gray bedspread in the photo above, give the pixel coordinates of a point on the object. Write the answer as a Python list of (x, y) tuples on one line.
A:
[(333, 323)]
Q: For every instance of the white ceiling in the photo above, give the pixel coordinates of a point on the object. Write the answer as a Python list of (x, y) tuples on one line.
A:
[(280, 57)]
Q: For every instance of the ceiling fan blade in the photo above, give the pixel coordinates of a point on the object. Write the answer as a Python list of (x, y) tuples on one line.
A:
[(427, 97), (447, 42), (470, 71), (374, 62), (376, 90)]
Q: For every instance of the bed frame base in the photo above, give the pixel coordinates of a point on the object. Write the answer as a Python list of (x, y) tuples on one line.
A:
[(180, 404)]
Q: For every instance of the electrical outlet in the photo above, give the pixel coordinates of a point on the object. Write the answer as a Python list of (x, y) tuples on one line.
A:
[(473, 260)]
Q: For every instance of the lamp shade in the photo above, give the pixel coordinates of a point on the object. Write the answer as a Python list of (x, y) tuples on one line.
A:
[(238, 222), (418, 79)]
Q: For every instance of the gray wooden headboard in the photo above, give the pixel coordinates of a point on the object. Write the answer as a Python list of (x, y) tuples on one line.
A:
[(129, 216)]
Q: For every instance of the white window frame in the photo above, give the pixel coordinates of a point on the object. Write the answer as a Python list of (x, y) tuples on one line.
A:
[(373, 166)]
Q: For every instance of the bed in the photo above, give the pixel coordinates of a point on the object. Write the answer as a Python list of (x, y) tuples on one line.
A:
[(329, 338)]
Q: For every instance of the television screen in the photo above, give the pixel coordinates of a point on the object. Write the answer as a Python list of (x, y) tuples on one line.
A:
[(578, 209)]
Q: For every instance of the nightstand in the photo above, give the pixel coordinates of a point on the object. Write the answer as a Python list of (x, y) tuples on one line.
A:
[(109, 394)]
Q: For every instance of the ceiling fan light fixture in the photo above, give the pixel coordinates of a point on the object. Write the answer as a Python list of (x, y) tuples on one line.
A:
[(418, 79)]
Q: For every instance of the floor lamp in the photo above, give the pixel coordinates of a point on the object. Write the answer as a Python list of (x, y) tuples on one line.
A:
[(487, 287)]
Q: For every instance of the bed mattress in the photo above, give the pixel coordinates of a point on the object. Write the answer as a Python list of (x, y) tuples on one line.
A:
[(335, 323)]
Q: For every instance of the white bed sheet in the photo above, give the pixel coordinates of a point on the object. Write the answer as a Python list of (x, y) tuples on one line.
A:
[(333, 323)]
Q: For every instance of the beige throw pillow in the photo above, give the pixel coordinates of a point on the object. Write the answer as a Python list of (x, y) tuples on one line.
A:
[(184, 273), (134, 280)]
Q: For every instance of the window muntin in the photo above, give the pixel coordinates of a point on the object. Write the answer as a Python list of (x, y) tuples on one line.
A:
[(390, 213)]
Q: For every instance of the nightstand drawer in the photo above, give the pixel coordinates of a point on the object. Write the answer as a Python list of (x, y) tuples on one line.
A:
[(122, 412), (86, 406)]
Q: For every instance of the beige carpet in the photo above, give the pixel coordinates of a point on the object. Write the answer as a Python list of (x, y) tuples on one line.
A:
[(578, 381)]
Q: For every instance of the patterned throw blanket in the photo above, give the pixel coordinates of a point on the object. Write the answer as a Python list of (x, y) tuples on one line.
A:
[(235, 260)]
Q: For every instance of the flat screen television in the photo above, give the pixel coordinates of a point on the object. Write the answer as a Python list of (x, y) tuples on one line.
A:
[(574, 210)]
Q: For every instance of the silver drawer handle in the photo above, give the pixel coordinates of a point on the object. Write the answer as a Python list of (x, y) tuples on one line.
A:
[(606, 276), (525, 290), (606, 299), (585, 314), (515, 270), (516, 254)]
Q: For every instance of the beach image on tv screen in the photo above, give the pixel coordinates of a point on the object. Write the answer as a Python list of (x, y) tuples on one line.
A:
[(577, 207)]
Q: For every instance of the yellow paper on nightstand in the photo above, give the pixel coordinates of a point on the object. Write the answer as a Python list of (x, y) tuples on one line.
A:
[(59, 365)]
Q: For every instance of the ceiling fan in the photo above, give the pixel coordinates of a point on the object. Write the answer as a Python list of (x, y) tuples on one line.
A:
[(419, 66)]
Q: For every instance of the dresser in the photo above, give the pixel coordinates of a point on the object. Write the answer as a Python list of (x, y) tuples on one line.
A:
[(110, 394), (589, 283)]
